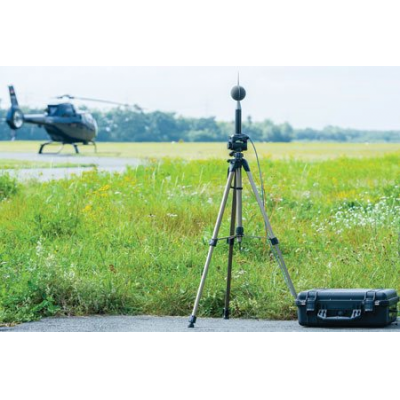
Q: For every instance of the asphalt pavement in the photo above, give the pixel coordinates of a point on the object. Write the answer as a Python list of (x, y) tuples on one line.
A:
[(172, 324)]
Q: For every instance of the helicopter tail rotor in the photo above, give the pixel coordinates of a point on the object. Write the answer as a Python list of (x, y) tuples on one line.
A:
[(15, 117)]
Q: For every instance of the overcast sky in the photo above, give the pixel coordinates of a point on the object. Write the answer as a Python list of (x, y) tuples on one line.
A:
[(358, 97)]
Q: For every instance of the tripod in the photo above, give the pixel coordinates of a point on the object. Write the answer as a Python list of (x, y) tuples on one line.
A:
[(238, 144)]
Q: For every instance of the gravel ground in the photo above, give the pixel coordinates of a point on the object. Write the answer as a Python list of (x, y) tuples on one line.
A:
[(171, 324)]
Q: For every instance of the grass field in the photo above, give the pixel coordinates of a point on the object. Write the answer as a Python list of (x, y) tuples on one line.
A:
[(196, 151), (135, 243)]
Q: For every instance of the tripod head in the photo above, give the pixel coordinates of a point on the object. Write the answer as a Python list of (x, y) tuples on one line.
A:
[(238, 141)]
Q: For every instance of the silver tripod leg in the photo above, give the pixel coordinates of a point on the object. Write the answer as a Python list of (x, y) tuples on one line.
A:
[(213, 243), (272, 238)]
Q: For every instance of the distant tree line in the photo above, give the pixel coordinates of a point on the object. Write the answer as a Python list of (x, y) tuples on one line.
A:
[(337, 134), (124, 125)]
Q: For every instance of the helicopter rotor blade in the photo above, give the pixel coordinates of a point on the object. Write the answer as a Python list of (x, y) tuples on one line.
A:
[(116, 103)]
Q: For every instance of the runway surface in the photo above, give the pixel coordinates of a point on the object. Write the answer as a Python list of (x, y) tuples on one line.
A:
[(110, 164), (172, 324)]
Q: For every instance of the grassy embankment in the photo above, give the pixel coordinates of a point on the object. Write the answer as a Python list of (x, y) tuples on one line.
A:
[(136, 243)]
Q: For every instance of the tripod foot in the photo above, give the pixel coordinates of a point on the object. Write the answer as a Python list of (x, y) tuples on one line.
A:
[(226, 313), (192, 321)]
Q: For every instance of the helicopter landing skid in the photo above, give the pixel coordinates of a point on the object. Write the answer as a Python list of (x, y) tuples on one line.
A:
[(93, 144), (43, 145), (75, 146)]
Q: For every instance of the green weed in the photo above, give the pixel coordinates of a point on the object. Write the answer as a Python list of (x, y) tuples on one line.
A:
[(135, 243), (8, 186)]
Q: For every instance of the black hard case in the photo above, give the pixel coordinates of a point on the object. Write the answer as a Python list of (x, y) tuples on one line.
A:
[(347, 307)]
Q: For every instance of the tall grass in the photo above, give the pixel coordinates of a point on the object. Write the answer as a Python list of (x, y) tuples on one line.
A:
[(8, 186), (135, 243)]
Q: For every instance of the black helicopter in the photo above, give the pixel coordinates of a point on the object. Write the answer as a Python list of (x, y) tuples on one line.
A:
[(62, 122)]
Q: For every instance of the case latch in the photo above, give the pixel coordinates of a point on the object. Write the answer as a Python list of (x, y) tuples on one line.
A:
[(311, 301), (369, 301)]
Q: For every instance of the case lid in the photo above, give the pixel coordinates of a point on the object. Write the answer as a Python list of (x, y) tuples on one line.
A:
[(370, 297)]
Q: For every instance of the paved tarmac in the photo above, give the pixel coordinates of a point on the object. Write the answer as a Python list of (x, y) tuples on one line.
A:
[(172, 324), (110, 164)]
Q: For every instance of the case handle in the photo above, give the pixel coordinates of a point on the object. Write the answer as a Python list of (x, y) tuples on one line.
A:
[(322, 314)]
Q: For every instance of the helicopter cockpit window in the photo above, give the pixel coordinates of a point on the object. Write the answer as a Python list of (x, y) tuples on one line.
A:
[(52, 110), (67, 110)]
